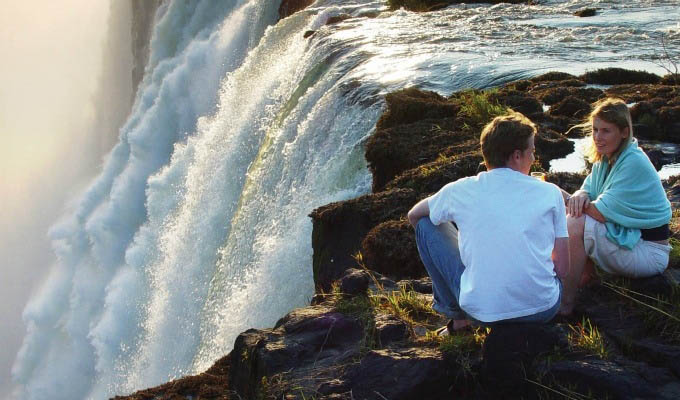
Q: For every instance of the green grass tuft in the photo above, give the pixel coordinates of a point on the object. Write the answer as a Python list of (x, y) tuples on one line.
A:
[(587, 337), (478, 107)]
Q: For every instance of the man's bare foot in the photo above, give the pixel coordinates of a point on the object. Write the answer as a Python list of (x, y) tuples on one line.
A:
[(453, 326)]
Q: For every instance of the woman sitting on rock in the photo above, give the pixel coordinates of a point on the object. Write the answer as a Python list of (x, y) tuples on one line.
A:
[(619, 218)]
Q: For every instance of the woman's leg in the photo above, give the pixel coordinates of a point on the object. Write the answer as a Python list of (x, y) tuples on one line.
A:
[(438, 248), (577, 262)]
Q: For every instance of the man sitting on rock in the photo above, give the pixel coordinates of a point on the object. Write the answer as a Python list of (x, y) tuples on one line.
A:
[(495, 244)]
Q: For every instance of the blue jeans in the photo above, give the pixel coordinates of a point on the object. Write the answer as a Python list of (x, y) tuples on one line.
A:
[(438, 248)]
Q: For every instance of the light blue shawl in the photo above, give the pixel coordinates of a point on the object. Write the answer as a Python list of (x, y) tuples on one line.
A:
[(630, 197)]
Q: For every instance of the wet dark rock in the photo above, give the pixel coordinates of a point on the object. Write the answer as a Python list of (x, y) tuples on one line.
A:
[(571, 107), (430, 177), (307, 337), (656, 353), (654, 286), (382, 284), (422, 285), (509, 351), (586, 12), (656, 94), (551, 145), (410, 105), (390, 329), (355, 281), (657, 157), (339, 228), (396, 374), (519, 101), (560, 124), (369, 14), (602, 378), (308, 34), (568, 181), (673, 190), (337, 18), (391, 151), (617, 76), (390, 249), (290, 7), (555, 95)]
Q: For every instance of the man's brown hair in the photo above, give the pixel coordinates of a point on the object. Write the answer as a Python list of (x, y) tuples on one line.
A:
[(502, 136)]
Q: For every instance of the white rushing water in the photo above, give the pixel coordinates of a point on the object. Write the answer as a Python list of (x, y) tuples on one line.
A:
[(197, 227)]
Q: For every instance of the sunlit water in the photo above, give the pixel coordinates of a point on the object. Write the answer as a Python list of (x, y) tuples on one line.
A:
[(197, 227), (575, 162)]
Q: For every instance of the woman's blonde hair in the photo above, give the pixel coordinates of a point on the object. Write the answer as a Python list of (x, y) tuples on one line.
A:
[(612, 110)]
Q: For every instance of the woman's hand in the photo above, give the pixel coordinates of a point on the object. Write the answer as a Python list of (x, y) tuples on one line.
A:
[(577, 203)]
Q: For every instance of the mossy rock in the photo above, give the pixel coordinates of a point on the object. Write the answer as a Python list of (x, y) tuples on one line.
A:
[(339, 228), (616, 76), (553, 76), (390, 249), (674, 256), (430, 177), (391, 151), (410, 105), (571, 107)]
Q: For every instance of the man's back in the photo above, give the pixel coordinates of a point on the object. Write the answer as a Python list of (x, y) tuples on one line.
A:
[(507, 225)]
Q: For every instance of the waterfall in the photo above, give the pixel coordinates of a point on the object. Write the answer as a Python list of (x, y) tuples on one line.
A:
[(197, 226)]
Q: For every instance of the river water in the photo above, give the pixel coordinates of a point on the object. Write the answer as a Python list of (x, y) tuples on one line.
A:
[(197, 227)]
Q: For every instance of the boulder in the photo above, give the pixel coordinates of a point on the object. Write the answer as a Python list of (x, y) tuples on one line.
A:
[(308, 338), (586, 12), (337, 18), (617, 76), (354, 282), (571, 107), (603, 379), (430, 177), (339, 228), (553, 76), (410, 105), (390, 249), (396, 374)]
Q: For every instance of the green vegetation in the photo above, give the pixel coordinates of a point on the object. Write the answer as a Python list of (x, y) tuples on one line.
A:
[(407, 305), (478, 106), (586, 337), (674, 256)]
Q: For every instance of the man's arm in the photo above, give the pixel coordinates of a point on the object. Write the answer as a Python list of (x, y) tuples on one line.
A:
[(421, 209), (594, 213), (560, 257)]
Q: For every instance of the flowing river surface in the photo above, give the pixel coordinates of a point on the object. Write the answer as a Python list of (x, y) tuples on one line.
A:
[(197, 227)]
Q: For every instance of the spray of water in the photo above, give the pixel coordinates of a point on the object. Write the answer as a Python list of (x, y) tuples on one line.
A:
[(200, 213)]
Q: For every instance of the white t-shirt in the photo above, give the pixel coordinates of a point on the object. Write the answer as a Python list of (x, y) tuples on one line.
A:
[(507, 224)]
